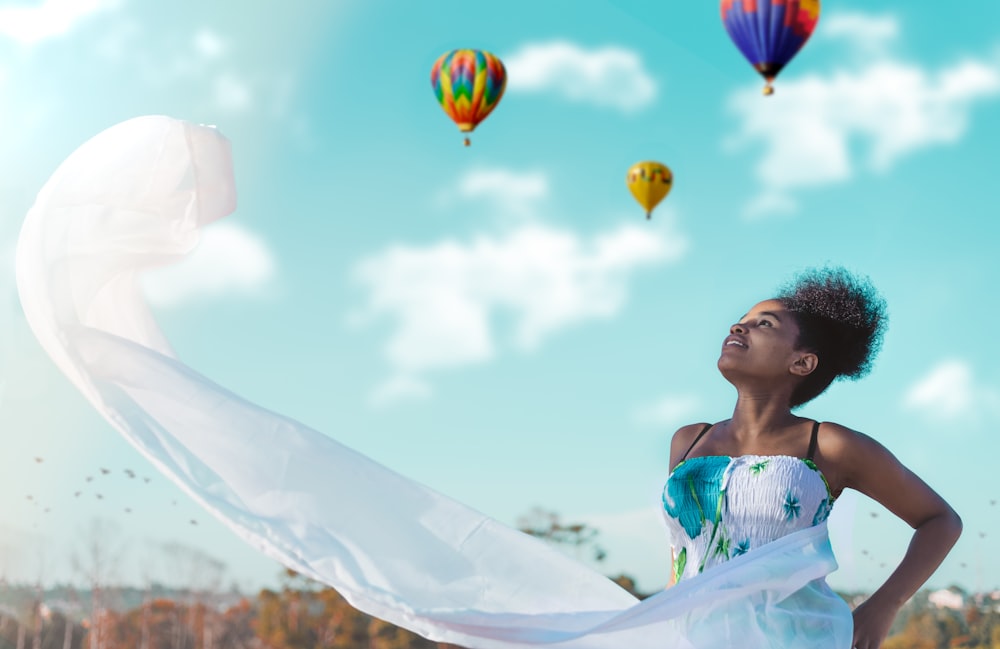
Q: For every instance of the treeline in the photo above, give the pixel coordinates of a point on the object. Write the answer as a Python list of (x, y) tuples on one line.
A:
[(920, 625), (299, 615), (303, 615)]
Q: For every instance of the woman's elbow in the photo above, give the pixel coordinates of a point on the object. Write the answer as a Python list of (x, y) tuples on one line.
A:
[(952, 523)]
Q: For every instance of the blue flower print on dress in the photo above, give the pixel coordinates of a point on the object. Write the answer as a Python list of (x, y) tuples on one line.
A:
[(791, 506), (693, 492), (823, 511), (741, 548)]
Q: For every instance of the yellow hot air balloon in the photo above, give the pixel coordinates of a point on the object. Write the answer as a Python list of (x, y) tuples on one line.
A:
[(649, 183)]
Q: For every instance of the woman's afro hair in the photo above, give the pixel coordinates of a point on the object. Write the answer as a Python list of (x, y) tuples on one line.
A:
[(841, 319)]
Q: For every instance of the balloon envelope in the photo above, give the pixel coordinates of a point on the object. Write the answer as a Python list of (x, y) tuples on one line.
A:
[(769, 32), (468, 85), (649, 183)]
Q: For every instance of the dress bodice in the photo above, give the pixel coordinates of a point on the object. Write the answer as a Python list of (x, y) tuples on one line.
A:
[(718, 507)]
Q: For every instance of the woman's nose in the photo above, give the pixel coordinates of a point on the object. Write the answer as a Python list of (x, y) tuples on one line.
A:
[(737, 329)]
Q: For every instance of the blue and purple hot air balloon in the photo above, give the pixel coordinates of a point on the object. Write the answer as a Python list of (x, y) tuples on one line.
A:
[(770, 32)]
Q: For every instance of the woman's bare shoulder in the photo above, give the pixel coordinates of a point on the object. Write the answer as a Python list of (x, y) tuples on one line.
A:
[(682, 440), (838, 440), (850, 457)]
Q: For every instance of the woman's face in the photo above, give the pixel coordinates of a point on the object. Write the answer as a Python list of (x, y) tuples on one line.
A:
[(762, 343)]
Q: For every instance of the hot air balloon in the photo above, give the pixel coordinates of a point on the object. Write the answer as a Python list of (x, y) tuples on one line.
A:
[(649, 183), (769, 32), (468, 85)]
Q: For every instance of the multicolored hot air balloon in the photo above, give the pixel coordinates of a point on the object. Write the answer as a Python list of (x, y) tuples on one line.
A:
[(468, 85), (770, 32), (649, 183)]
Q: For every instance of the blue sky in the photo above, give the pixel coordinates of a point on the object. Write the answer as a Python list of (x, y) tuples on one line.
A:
[(500, 321)]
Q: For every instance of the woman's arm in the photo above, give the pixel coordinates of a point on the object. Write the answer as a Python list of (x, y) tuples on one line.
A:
[(872, 470)]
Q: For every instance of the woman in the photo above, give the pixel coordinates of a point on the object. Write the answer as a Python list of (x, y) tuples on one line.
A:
[(765, 472)]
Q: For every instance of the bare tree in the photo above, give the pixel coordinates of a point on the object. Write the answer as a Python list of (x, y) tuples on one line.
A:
[(203, 575), (546, 525), (36, 609), (98, 563)]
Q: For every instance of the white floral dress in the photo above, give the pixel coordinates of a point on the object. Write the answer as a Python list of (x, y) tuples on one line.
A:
[(718, 507)]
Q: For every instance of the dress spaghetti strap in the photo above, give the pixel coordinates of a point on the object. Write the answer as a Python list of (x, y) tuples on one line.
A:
[(812, 441), (700, 435)]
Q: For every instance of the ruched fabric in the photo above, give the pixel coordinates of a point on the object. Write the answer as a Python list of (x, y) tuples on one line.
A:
[(718, 507), (136, 196)]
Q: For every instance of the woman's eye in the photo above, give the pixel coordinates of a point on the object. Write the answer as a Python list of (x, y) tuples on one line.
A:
[(765, 323)]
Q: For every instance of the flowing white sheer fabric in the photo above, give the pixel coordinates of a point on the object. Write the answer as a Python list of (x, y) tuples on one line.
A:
[(134, 197)]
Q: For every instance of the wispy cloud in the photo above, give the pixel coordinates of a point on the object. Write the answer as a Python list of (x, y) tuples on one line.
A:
[(949, 391), (893, 107), (506, 192), (206, 63), (31, 24), (612, 77), (671, 410), (230, 260), (446, 298), (443, 295), (866, 33)]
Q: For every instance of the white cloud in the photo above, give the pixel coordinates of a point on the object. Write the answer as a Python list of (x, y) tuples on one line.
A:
[(611, 77), (865, 32), (811, 129), (447, 299), (949, 391), (444, 296), (229, 260), (30, 24), (502, 184), (508, 193), (668, 411)]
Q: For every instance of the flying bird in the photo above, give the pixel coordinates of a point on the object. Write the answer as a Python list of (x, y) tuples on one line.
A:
[(105, 471)]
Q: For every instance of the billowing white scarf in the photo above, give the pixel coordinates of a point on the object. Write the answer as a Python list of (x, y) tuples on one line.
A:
[(136, 196)]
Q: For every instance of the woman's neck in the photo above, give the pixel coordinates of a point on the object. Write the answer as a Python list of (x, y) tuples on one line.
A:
[(758, 416)]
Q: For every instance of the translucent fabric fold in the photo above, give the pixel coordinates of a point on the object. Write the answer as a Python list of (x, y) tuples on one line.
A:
[(135, 197)]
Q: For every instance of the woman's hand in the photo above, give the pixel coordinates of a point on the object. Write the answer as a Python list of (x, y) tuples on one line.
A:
[(872, 621)]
